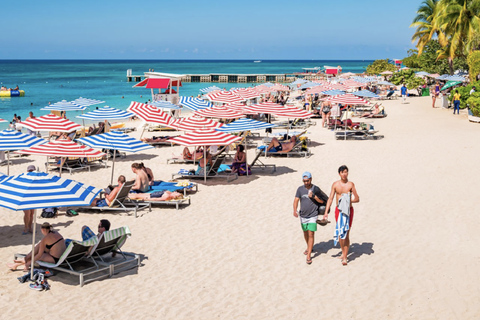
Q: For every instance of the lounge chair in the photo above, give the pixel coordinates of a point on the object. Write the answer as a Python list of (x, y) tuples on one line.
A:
[(122, 202), (107, 252), (73, 261), (70, 165), (212, 173), (299, 149), (357, 135), (256, 163)]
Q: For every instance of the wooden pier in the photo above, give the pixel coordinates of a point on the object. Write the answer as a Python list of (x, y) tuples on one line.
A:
[(231, 78)]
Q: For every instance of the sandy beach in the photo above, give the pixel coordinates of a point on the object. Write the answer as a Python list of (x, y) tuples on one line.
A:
[(237, 251)]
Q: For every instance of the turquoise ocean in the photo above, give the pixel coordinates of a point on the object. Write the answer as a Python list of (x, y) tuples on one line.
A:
[(47, 81)]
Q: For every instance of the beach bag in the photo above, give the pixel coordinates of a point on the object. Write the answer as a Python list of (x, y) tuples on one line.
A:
[(49, 213), (323, 196)]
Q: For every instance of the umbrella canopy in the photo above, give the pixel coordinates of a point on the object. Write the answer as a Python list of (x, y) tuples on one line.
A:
[(209, 89), (333, 92), (293, 112), (87, 102), (106, 113), (36, 190), (455, 78), (245, 124), (3, 120), (433, 75), (385, 83), (194, 103), (280, 87), (309, 84), (15, 140), (299, 81), (247, 93), (236, 106), (262, 89), (164, 105), (224, 97), (347, 99), (115, 140), (64, 105), (338, 86), (318, 89), (220, 112), (365, 93), (353, 84), (50, 122), (195, 123), (450, 84), (205, 138), (150, 114), (62, 148), (266, 107)]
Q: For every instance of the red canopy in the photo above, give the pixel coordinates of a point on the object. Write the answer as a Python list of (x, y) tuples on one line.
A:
[(150, 113), (348, 99), (220, 112), (50, 122), (205, 138), (194, 123), (266, 107), (63, 148), (158, 83)]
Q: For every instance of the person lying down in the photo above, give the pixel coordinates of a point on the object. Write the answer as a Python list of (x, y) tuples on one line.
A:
[(156, 196)]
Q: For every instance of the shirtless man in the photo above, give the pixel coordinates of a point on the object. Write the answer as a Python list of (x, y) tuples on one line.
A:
[(109, 197), (338, 188), (276, 146), (142, 184)]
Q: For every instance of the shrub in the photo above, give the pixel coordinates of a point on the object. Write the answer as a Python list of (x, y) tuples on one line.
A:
[(473, 61), (378, 66), (408, 77)]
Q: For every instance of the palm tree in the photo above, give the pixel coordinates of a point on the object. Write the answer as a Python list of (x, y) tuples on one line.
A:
[(426, 25)]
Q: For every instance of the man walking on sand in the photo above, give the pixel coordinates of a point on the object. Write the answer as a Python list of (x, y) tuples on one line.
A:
[(309, 197), (346, 194)]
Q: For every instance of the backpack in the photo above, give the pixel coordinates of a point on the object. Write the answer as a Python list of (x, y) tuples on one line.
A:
[(323, 196), (49, 212)]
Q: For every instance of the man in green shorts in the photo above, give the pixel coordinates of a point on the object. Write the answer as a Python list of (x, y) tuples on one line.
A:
[(309, 197)]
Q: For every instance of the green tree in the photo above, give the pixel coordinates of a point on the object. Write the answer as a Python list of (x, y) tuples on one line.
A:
[(412, 60), (408, 78), (427, 61), (474, 65), (378, 66), (425, 23)]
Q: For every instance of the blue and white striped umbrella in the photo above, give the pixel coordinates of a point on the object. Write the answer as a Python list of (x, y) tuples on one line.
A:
[(87, 102), (2, 176), (209, 89), (36, 190), (299, 81), (64, 105), (365, 93), (443, 77), (245, 124), (115, 140), (164, 104), (106, 113), (194, 104), (455, 78), (15, 140), (333, 92), (309, 85)]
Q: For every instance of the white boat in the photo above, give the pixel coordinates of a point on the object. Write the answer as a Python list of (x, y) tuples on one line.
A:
[(257, 61)]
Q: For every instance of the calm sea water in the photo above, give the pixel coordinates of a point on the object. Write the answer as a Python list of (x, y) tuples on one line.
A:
[(47, 81)]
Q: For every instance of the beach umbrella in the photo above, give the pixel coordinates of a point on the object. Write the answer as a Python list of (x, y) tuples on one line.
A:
[(421, 74), (347, 99), (2, 120), (195, 123), (298, 81), (62, 148), (205, 138), (332, 92), (64, 105), (338, 86), (209, 89), (224, 97), (455, 78), (164, 105), (385, 83), (87, 102), (308, 84), (433, 75), (265, 107), (247, 93), (194, 103), (150, 113), (106, 113), (50, 122), (220, 112), (450, 84), (268, 84), (353, 83), (318, 89), (235, 106), (365, 93), (262, 89), (16, 140), (292, 112), (117, 141), (279, 87), (38, 190)]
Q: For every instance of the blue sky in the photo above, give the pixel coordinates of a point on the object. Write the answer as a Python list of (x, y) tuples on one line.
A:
[(308, 29)]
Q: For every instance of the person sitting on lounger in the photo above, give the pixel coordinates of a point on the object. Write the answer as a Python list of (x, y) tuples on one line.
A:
[(204, 164), (375, 111), (87, 233), (142, 183), (49, 249), (187, 155), (110, 196), (156, 139), (276, 146), (157, 196), (149, 172), (239, 159)]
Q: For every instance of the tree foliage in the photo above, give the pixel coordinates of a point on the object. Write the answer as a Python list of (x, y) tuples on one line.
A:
[(378, 66), (408, 78), (466, 99), (473, 61)]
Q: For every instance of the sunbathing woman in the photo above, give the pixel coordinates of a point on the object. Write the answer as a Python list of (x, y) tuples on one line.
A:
[(198, 154), (156, 196), (49, 249), (276, 146), (239, 159), (373, 113)]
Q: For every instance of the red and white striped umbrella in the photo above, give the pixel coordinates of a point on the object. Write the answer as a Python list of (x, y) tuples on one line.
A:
[(262, 89), (205, 138), (150, 114), (347, 99), (247, 93), (353, 84), (236, 106), (50, 122), (279, 87), (318, 89), (194, 123), (63, 148), (266, 107), (338, 86), (220, 112), (293, 112), (224, 97)]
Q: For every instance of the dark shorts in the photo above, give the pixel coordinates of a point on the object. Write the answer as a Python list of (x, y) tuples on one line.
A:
[(157, 194), (136, 191), (337, 212), (102, 203)]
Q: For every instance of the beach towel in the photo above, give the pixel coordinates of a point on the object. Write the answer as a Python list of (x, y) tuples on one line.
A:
[(342, 225)]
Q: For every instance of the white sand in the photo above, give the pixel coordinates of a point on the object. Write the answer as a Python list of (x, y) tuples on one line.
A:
[(236, 251)]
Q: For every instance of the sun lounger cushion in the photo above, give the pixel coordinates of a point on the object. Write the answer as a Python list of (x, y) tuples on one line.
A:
[(169, 186)]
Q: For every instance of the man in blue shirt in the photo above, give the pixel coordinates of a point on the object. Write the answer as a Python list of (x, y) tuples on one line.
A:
[(404, 93)]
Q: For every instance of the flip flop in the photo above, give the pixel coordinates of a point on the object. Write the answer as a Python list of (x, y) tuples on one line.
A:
[(323, 222), (344, 262), (309, 261)]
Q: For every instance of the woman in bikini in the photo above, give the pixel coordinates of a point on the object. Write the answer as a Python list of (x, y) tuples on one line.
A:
[(49, 249)]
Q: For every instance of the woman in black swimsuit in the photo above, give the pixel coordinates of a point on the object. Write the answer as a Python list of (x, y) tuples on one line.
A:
[(49, 249)]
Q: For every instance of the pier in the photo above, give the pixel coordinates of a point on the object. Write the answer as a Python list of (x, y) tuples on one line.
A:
[(231, 77)]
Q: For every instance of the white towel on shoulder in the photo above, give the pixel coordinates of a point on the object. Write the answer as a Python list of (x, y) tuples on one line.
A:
[(343, 221)]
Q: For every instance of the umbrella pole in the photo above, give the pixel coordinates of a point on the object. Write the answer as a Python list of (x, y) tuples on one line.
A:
[(246, 160), (346, 117), (143, 131), (8, 162), (61, 165), (204, 163), (113, 165), (32, 265)]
